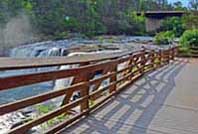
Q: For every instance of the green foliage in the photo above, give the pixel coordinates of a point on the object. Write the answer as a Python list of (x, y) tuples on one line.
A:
[(191, 21), (60, 35), (43, 109), (57, 120), (91, 103), (137, 24), (164, 38), (179, 6), (48, 17), (193, 4), (189, 39), (72, 24), (27, 5), (87, 17), (174, 24), (184, 50)]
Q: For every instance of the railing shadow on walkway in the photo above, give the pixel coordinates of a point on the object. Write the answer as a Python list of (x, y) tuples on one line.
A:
[(147, 96)]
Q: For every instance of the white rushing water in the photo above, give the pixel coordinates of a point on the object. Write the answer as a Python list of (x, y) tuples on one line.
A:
[(54, 48), (42, 49)]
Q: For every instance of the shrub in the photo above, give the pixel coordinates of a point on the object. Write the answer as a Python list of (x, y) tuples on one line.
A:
[(136, 24), (44, 109), (191, 21), (60, 35), (164, 38), (189, 38), (72, 24), (174, 24)]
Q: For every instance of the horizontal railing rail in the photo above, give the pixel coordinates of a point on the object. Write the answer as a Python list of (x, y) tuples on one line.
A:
[(116, 71), (24, 63)]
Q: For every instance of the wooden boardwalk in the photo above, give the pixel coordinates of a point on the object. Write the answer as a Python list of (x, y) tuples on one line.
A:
[(133, 110), (162, 102)]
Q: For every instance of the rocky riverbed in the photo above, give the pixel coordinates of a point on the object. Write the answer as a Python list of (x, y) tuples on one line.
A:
[(45, 49)]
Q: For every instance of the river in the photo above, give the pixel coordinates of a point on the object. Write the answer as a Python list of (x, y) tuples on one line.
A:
[(60, 48)]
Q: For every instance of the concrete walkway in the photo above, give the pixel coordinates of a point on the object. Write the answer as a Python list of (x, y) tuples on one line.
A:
[(163, 102)]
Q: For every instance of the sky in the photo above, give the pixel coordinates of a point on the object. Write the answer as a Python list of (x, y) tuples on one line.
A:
[(185, 2)]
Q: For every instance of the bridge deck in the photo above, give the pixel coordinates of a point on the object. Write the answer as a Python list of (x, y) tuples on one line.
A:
[(164, 101)]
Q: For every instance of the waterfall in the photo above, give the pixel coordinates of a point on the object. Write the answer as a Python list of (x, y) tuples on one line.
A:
[(44, 49), (38, 50), (57, 48), (51, 49), (64, 83)]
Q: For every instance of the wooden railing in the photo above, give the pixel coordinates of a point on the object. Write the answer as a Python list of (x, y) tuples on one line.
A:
[(120, 70)]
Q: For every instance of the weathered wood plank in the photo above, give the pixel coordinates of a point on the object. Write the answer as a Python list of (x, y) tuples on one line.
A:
[(22, 63), (25, 127), (38, 99), (23, 80)]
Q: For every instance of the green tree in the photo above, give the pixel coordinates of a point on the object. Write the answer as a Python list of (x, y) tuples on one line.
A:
[(189, 38), (191, 21), (179, 6), (88, 17), (193, 4), (174, 24), (164, 38)]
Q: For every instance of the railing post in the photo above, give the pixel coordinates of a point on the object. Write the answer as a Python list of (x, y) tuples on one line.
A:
[(80, 78), (130, 64), (113, 77), (168, 55), (172, 53), (85, 93), (152, 59), (164, 57), (175, 52), (143, 61), (160, 58)]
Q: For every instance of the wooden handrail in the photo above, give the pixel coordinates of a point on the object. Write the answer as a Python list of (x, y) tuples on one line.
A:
[(25, 63), (135, 65)]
